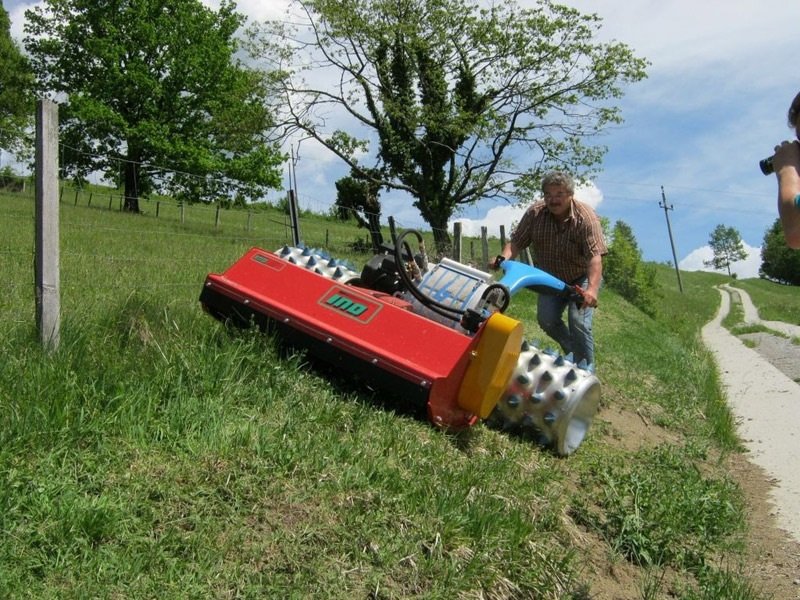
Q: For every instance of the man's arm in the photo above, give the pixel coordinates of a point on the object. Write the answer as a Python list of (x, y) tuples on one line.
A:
[(510, 251), (594, 273), (787, 169)]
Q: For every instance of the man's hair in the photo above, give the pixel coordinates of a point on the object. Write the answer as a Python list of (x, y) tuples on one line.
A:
[(794, 109), (558, 178)]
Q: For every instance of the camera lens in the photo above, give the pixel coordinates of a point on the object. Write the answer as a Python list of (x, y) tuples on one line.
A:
[(766, 165)]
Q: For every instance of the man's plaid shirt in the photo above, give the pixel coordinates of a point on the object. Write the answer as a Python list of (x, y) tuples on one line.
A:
[(561, 249)]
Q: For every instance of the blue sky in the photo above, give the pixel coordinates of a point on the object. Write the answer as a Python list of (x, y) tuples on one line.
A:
[(722, 76)]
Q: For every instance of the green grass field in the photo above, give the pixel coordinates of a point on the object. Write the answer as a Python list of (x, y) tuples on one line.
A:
[(774, 302), (158, 454)]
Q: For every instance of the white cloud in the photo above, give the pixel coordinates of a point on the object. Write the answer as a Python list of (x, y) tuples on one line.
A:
[(260, 11), (590, 194), (505, 215), (257, 10), (16, 14), (315, 155), (687, 35), (744, 269)]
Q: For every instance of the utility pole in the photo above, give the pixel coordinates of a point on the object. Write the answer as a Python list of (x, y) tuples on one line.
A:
[(663, 204)]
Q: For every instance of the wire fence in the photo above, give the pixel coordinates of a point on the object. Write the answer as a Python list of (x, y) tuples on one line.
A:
[(91, 244), (337, 235)]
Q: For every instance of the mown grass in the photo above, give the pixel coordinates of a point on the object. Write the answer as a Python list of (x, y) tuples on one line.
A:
[(157, 453)]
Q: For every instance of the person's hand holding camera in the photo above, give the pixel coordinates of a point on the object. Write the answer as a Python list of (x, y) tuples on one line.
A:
[(787, 154)]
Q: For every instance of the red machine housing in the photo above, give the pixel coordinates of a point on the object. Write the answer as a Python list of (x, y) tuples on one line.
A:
[(357, 330)]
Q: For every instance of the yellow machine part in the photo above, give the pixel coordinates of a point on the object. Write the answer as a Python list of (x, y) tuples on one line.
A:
[(493, 361)]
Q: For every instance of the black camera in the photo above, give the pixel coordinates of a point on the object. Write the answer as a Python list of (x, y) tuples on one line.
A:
[(765, 164)]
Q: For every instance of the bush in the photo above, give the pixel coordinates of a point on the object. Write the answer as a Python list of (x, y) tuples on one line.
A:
[(625, 273)]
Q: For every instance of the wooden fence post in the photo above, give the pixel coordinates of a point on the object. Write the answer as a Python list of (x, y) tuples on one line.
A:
[(457, 241), (48, 289), (484, 246)]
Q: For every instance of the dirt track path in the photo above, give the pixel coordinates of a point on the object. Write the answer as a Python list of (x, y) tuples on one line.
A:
[(766, 403)]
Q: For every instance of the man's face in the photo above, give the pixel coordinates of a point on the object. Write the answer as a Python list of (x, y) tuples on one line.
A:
[(558, 200)]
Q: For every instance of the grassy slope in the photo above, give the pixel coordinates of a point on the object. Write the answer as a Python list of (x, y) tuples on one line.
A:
[(156, 454), (774, 302)]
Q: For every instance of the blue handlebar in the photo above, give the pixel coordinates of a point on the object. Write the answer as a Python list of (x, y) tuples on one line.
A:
[(519, 275)]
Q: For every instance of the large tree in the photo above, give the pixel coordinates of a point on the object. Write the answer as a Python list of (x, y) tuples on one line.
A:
[(153, 96), (726, 244), (16, 86), (778, 261), (464, 100)]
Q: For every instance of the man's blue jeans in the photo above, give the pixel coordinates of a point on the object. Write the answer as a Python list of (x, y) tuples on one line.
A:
[(576, 336)]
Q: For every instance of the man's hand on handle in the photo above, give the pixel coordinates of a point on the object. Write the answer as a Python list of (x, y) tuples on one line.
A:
[(587, 298)]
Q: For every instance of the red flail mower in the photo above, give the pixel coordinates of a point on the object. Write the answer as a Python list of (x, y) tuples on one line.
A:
[(433, 335)]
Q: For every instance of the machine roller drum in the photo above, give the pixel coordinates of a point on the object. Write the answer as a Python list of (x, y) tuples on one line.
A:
[(550, 399)]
